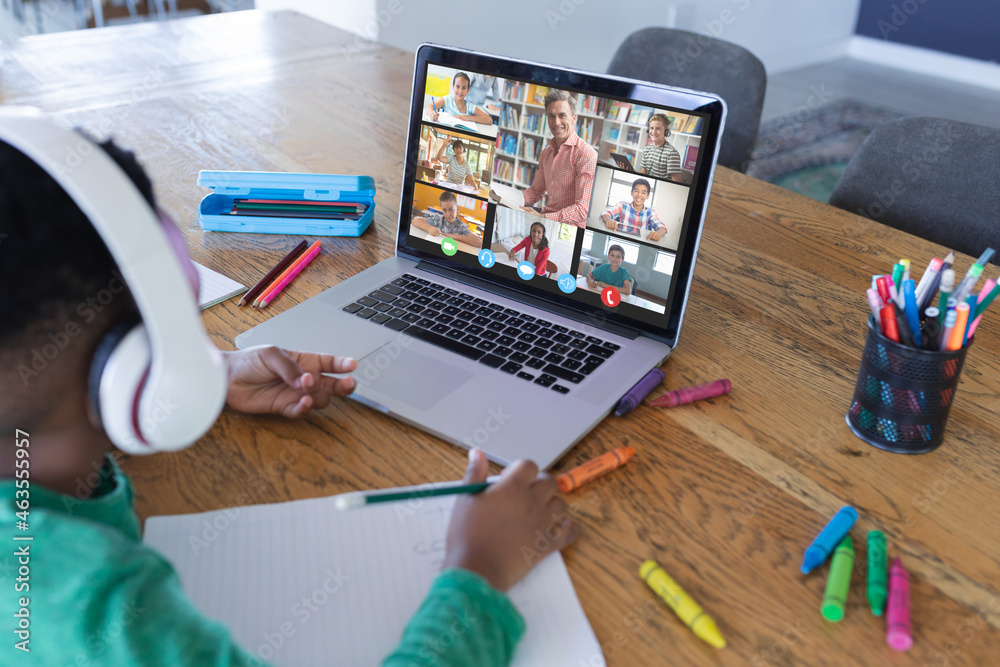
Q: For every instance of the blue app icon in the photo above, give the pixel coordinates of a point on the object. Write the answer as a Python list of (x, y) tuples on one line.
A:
[(567, 283), (526, 270), (487, 258)]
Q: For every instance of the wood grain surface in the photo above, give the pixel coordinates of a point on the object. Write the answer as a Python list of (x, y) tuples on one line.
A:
[(725, 493)]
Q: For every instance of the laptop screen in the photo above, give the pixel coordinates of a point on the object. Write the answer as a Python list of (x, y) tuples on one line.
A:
[(583, 190)]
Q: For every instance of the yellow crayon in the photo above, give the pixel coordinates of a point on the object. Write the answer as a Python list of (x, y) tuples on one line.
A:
[(686, 609)]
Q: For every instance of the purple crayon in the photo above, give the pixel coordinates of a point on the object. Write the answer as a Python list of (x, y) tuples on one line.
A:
[(828, 538), (640, 391), (685, 395)]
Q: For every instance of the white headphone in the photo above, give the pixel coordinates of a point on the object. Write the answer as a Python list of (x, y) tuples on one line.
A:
[(158, 384)]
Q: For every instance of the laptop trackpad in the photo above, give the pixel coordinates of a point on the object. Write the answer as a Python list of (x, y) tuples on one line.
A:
[(409, 376)]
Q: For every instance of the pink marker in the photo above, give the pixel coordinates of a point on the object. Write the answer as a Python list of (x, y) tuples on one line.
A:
[(898, 631), (987, 288), (875, 303)]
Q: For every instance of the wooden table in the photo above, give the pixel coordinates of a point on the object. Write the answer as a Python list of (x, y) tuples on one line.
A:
[(725, 493)]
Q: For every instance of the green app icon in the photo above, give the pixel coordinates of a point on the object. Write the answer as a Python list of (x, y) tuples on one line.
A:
[(449, 245)]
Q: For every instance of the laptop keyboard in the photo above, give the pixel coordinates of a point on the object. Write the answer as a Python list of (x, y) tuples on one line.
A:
[(535, 350)]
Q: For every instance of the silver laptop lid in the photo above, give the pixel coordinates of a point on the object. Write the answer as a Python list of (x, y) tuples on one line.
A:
[(509, 180)]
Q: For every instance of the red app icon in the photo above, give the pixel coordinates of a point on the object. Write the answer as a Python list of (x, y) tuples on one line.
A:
[(610, 297)]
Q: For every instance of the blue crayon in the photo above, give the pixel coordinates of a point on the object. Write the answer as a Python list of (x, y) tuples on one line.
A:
[(828, 538)]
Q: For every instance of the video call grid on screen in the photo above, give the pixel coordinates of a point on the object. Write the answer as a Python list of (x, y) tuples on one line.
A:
[(641, 164)]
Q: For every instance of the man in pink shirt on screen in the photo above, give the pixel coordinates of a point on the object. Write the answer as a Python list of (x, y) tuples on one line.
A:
[(565, 167)]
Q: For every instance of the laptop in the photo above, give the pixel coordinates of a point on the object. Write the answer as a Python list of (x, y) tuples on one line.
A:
[(501, 341)]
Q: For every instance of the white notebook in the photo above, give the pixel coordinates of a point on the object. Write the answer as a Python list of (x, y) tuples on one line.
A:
[(214, 287), (332, 587), (506, 195)]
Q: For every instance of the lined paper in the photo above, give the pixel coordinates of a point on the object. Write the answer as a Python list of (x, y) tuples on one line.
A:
[(302, 583), (214, 287)]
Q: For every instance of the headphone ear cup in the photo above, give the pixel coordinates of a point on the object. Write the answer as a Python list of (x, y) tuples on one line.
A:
[(117, 376)]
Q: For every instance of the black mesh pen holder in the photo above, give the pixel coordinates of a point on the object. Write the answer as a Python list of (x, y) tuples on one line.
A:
[(903, 394)]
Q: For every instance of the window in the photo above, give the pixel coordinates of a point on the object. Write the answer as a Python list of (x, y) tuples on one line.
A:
[(664, 263), (567, 233), (631, 249), (588, 239)]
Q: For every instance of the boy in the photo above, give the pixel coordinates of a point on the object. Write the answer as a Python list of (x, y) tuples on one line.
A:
[(612, 274), (660, 160), (98, 596), (459, 169), (631, 218), (448, 224)]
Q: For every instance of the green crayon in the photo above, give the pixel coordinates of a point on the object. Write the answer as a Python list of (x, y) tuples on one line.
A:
[(877, 591), (837, 585)]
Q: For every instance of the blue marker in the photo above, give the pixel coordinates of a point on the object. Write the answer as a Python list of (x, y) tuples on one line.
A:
[(973, 301), (828, 538), (912, 312)]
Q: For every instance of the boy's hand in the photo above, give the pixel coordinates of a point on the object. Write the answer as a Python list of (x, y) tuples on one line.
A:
[(268, 379), (501, 533), (434, 231), (655, 234)]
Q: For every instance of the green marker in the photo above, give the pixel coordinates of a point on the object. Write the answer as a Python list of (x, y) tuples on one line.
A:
[(837, 585), (449, 246), (897, 280), (877, 592)]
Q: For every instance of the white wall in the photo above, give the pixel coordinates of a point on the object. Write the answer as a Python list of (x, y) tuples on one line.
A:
[(585, 33), (355, 16)]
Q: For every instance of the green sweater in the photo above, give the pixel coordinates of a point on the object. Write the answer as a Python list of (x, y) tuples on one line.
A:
[(95, 595)]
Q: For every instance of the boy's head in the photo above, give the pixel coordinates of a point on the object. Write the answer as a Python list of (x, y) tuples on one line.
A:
[(560, 111), (60, 290), (658, 127), (616, 255), (449, 205), (460, 85), (86, 373), (640, 192)]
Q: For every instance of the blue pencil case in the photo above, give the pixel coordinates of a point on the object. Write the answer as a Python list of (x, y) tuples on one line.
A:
[(227, 186)]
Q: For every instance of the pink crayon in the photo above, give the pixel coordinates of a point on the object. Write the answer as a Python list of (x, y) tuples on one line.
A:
[(898, 632), (685, 395)]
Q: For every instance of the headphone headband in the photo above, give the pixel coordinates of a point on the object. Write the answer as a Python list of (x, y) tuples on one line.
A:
[(186, 370)]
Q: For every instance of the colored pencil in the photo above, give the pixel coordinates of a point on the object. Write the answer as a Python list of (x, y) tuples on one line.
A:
[(281, 276), (291, 276), (355, 499), (269, 278)]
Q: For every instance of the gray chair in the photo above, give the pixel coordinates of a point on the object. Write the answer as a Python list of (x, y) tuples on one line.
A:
[(692, 60), (938, 179)]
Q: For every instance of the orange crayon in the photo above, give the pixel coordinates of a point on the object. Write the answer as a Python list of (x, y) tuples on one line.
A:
[(603, 464)]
